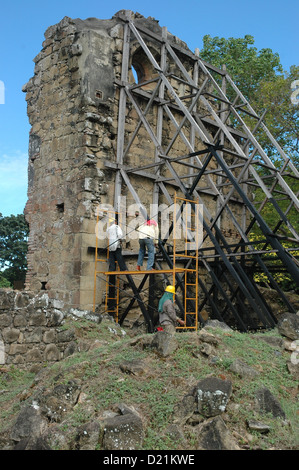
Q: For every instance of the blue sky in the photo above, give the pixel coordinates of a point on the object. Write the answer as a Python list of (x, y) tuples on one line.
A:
[(273, 24)]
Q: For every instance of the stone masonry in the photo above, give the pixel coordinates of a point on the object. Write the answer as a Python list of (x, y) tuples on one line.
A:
[(31, 330), (66, 143)]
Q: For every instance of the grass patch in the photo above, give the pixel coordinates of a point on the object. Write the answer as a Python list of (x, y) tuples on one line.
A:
[(165, 381), (12, 383)]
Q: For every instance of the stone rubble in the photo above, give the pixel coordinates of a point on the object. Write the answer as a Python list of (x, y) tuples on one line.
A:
[(203, 408)]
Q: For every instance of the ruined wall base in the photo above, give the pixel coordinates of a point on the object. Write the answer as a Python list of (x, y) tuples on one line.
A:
[(31, 329)]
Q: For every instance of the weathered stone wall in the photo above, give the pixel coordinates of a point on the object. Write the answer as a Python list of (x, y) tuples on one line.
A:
[(70, 111), (73, 107), (31, 330)]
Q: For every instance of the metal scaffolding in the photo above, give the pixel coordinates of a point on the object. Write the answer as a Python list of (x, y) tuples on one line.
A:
[(183, 271), (223, 160)]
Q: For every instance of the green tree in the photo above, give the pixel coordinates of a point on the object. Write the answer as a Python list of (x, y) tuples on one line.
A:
[(247, 66), (4, 282), (282, 117), (13, 247), (260, 77)]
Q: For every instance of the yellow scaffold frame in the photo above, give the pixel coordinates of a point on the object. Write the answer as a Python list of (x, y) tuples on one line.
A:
[(189, 252), (114, 311)]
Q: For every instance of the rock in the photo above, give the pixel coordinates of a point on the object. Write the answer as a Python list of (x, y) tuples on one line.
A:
[(71, 349), (65, 336), (208, 342), (241, 368), (185, 409), (5, 300), (212, 396), (176, 434), (30, 424), (206, 337), (10, 335), (68, 393), (293, 366), (135, 367), (88, 436), (274, 341), (36, 443), (164, 343), (52, 353), (267, 403), (217, 324), (142, 341), (55, 437), (214, 435), (288, 326), (290, 345), (207, 349), (123, 432), (56, 403), (258, 426)]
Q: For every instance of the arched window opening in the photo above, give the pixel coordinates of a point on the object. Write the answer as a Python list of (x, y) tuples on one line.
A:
[(142, 69)]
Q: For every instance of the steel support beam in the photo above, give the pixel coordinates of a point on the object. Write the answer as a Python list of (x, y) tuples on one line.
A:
[(208, 134)]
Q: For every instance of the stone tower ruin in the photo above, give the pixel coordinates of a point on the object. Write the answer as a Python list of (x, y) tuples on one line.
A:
[(121, 108)]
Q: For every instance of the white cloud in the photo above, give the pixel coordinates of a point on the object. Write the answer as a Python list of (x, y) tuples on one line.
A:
[(13, 183)]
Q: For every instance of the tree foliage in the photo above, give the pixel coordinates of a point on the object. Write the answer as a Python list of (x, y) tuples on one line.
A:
[(247, 66), (260, 77), (13, 247), (282, 117)]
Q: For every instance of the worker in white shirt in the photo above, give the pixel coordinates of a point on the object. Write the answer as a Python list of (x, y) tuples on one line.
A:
[(148, 239), (115, 234)]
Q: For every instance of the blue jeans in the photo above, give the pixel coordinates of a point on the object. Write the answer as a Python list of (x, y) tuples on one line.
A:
[(146, 243)]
